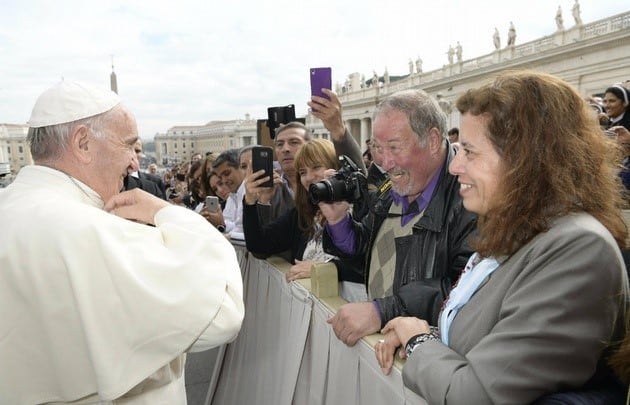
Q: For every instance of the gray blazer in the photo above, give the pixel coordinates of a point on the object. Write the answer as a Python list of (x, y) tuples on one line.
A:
[(538, 325)]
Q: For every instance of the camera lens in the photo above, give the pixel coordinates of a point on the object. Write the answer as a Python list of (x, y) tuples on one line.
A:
[(319, 191), (328, 190)]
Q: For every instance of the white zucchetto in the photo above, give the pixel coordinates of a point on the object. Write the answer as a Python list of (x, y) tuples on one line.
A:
[(71, 101)]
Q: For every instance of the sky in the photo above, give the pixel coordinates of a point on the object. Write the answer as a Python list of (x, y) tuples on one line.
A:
[(189, 62)]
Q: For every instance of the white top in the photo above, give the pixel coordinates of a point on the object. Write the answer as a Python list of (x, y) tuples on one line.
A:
[(92, 305), (233, 214)]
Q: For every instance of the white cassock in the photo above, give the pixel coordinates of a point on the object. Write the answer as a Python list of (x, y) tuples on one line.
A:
[(96, 307)]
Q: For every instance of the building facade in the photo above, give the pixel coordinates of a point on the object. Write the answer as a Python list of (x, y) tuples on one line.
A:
[(14, 150), (179, 143), (589, 56)]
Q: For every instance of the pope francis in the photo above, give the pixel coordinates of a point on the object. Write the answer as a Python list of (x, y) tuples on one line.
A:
[(101, 292)]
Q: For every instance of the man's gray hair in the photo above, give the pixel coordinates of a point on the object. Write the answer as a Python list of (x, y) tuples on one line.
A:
[(422, 111), (49, 143)]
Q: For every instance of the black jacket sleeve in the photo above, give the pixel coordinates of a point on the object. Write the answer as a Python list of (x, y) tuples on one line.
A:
[(346, 271), (273, 238), (422, 299), (350, 265)]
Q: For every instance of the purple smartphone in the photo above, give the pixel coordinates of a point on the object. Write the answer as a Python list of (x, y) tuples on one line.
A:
[(321, 78)]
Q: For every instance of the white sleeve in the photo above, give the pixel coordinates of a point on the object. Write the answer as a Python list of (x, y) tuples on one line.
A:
[(229, 213), (225, 325), (222, 329)]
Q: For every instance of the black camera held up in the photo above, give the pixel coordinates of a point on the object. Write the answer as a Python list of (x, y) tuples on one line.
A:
[(348, 184)]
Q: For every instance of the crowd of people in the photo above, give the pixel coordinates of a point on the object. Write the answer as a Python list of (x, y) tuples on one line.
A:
[(489, 255)]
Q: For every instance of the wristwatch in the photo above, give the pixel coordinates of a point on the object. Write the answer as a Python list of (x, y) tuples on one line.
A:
[(416, 340)]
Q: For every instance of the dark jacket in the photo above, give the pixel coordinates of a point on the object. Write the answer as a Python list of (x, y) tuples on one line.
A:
[(142, 182), (429, 261), (281, 202), (281, 235), (157, 180), (624, 121)]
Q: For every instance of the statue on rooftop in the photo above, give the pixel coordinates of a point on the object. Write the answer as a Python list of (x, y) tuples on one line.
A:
[(559, 20), (511, 35), (576, 13), (418, 65), (496, 39)]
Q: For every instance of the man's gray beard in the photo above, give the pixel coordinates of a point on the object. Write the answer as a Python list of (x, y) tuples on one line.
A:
[(403, 192)]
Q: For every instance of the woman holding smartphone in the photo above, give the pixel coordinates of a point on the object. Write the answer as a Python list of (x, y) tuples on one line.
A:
[(299, 229)]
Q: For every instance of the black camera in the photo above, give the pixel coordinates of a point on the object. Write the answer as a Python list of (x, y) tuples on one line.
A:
[(348, 184), (277, 116)]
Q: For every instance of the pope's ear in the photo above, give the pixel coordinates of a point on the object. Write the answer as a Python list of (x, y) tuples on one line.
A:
[(80, 143)]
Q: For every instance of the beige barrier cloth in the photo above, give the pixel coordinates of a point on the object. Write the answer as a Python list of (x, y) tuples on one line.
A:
[(286, 353)]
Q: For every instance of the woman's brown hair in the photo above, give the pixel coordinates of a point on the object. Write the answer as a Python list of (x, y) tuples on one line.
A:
[(316, 152), (206, 173), (556, 157)]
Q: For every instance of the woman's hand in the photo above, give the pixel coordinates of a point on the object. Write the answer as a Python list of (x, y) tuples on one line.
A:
[(215, 218), (334, 211), (405, 328), (266, 193), (254, 192), (252, 183), (397, 333), (385, 350), (301, 269)]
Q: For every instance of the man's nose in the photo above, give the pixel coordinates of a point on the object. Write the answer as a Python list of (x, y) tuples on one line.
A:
[(387, 162)]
